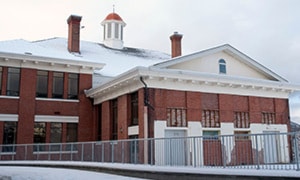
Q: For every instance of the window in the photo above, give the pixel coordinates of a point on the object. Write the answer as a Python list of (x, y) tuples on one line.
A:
[(241, 135), (211, 135), (268, 118), (222, 66), (114, 118), (13, 82), (116, 30), (72, 136), (210, 118), (241, 120), (108, 30), (72, 132), (58, 85), (9, 136), (42, 84), (1, 70), (104, 29), (176, 117), (121, 32), (73, 86), (55, 135), (134, 109), (39, 135)]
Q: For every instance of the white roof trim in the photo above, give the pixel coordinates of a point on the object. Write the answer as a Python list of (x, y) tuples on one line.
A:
[(231, 51), (188, 81), (49, 63)]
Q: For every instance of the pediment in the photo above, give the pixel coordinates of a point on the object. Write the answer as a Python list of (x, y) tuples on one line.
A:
[(208, 61)]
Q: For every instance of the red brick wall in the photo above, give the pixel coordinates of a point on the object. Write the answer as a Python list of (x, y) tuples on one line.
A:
[(106, 123), (282, 111), (193, 105), (141, 113), (87, 122), (226, 106), (123, 117), (9, 106), (195, 102), (56, 108), (254, 109), (26, 106)]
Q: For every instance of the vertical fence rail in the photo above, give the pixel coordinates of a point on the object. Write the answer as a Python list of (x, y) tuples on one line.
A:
[(273, 151)]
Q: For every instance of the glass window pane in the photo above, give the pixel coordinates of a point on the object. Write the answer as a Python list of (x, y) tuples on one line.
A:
[(72, 129), (58, 85), (134, 109), (73, 86), (13, 82), (42, 84), (108, 30), (116, 30), (9, 136), (72, 132), (55, 135), (222, 66), (39, 135), (114, 120)]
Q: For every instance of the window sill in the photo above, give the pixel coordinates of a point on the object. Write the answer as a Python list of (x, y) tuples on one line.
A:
[(53, 99), (178, 128), (7, 153), (10, 97)]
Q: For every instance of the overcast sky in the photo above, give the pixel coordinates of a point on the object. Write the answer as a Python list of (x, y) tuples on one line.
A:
[(266, 30)]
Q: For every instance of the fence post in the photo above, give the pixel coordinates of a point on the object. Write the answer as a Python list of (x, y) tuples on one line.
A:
[(25, 152), (93, 145), (151, 151), (112, 151), (194, 145), (257, 152), (102, 152), (122, 152), (223, 151), (60, 151), (296, 151), (71, 151)]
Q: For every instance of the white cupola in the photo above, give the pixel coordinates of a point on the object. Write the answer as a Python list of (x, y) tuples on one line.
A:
[(113, 31)]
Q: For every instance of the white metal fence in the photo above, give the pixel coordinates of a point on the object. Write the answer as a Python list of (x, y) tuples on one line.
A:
[(256, 151)]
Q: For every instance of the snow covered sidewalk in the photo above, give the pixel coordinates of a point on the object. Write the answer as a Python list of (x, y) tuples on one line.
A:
[(148, 171)]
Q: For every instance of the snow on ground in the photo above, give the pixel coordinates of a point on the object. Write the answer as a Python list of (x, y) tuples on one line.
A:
[(39, 173), (35, 173)]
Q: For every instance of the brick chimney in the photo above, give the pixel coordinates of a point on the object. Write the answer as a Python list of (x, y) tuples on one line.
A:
[(74, 33), (176, 44)]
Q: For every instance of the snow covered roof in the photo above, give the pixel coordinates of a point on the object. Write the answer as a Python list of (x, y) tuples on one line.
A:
[(94, 54), (116, 61)]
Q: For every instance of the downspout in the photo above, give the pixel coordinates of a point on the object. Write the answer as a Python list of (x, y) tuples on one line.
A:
[(146, 94), (146, 122)]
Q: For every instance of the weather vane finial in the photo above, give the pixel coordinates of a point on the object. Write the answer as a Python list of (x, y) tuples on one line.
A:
[(113, 8)]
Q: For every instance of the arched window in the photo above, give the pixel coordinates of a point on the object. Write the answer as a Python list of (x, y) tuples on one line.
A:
[(222, 66)]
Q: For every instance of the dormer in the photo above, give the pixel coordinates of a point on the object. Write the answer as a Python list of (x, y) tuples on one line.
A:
[(113, 31)]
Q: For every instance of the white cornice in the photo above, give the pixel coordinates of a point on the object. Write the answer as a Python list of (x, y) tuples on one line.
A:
[(47, 63), (189, 81)]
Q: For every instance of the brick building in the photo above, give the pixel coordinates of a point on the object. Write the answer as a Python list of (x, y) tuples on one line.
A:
[(67, 90)]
